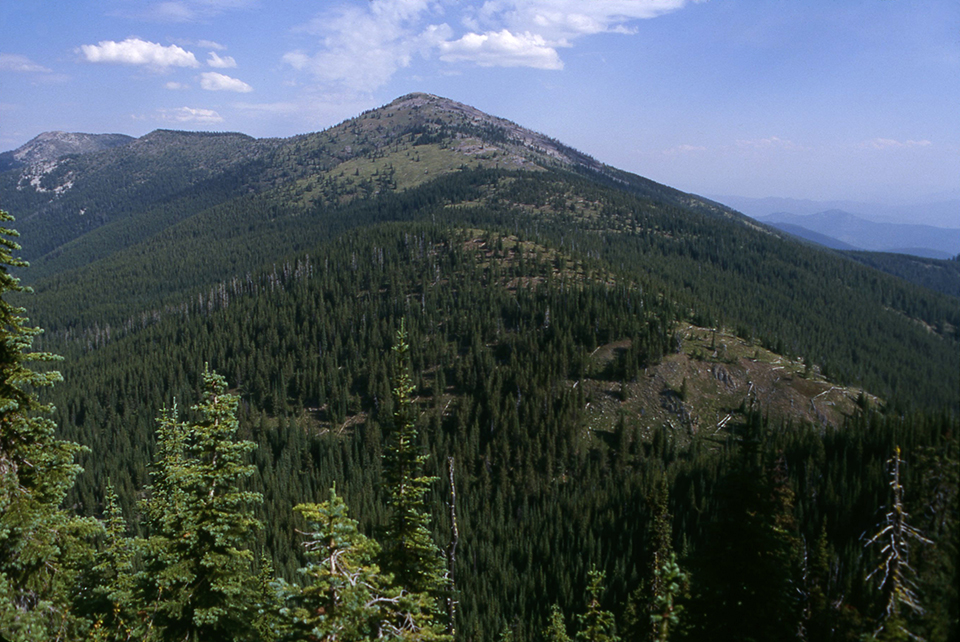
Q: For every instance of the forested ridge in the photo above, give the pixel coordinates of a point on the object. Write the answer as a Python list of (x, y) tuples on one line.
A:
[(448, 347)]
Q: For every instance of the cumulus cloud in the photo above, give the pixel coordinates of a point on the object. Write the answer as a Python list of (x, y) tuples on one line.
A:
[(212, 81), (889, 143), (21, 64), (217, 62), (190, 115), (176, 86), (134, 51), (502, 49)]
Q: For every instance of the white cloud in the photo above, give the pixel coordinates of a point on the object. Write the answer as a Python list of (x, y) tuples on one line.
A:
[(362, 47), (134, 51), (281, 108), (176, 86), (212, 81), (217, 62), (889, 143), (190, 115), (22, 64), (772, 142), (502, 49), (565, 19), (684, 149), (190, 10), (210, 44)]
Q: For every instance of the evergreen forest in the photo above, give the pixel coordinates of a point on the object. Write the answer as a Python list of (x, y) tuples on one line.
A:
[(427, 375)]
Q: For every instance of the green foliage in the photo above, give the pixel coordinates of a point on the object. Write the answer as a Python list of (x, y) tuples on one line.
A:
[(596, 624), (198, 567), (345, 596), (42, 546), (556, 629), (411, 554), (749, 570)]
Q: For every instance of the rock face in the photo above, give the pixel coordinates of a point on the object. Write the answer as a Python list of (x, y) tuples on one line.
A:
[(49, 146)]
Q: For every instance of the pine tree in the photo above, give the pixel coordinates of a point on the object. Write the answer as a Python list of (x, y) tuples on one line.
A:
[(596, 625), (198, 569), (653, 610), (410, 555), (40, 542), (556, 630), (345, 596), (112, 599)]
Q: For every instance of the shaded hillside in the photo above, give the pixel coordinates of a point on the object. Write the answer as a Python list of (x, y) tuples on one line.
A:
[(935, 274)]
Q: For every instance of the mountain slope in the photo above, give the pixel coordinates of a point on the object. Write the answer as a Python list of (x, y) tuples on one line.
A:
[(192, 211)]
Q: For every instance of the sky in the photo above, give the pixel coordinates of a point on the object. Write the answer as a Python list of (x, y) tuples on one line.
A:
[(803, 99)]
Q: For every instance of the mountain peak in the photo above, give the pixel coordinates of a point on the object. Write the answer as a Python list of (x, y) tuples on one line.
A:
[(49, 146), (429, 109)]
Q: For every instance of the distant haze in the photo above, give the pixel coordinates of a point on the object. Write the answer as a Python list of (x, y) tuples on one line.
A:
[(942, 213)]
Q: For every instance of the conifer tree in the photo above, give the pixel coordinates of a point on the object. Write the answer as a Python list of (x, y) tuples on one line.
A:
[(113, 603), (556, 630), (38, 538), (748, 573), (410, 554), (653, 610), (198, 569), (345, 596), (596, 625)]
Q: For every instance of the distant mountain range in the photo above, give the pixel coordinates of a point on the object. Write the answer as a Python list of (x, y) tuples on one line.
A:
[(842, 230), (940, 211)]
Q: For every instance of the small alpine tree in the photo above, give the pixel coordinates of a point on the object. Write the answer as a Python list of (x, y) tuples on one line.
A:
[(556, 630), (596, 625), (345, 597)]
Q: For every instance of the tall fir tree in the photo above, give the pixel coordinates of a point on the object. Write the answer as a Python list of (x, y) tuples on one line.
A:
[(410, 553), (198, 575), (41, 545)]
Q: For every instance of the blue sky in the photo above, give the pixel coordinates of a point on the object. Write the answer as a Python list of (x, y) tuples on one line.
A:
[(838, 99)]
